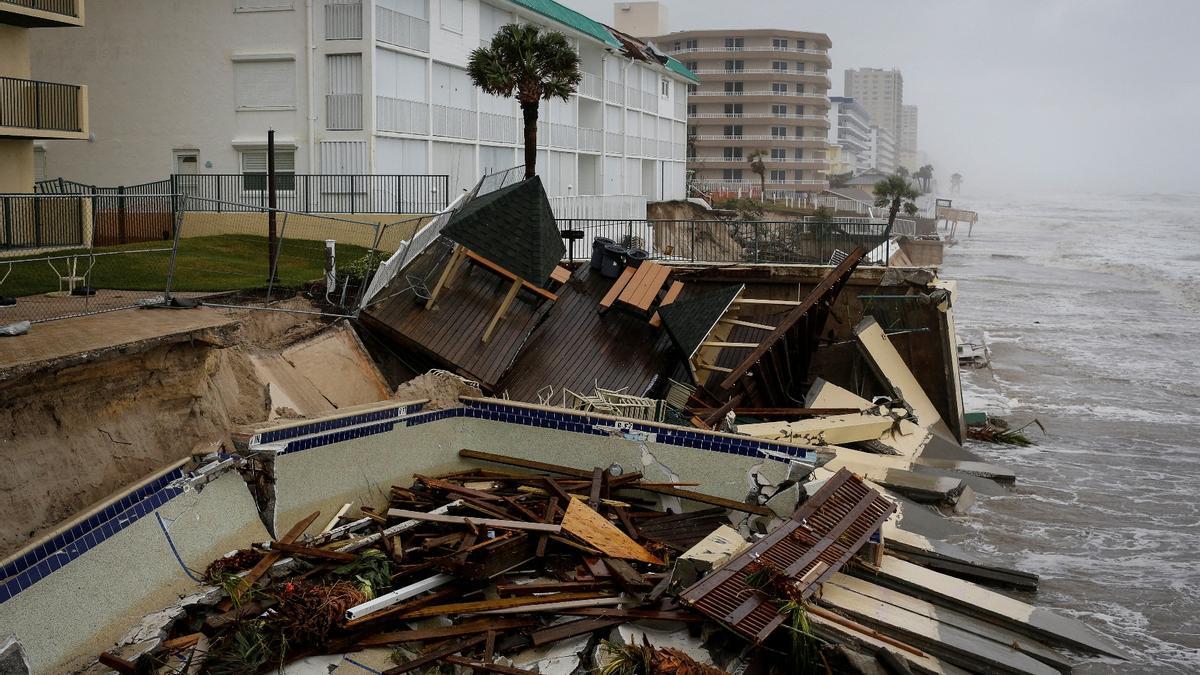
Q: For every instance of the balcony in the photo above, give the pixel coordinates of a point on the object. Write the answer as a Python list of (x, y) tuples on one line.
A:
[(811, 76), (41, 13), (748, 48), (815, 163), (765, 115), (33, 109), (807, 141), (762, 93)]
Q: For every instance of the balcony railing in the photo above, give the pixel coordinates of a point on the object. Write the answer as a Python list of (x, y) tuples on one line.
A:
[(45, 106), (343, 112), (66, 8), (343, 19), (776, 116), (402, 30), (761, 71), (762, 92), (748, 48), (819, 140), (816, 161)]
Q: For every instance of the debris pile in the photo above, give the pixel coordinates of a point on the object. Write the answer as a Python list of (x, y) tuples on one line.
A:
[(535, 567)]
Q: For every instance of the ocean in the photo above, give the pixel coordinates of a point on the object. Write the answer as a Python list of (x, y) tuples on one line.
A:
[(1090, 308)]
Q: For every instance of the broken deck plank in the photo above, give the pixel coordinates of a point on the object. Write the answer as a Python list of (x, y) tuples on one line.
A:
[(464, 520)]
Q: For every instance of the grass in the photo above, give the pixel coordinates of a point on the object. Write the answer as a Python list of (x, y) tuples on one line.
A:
[(217, 263)]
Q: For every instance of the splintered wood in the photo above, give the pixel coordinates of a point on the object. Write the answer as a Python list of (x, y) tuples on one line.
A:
[(597, 531)]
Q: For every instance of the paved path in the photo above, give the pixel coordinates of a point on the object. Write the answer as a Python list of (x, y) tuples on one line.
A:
[(81, 338)]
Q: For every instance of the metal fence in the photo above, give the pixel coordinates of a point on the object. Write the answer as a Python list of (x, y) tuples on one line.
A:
[(32, 104), (718, 241), (67, 7), (319, 193), (38, 221)]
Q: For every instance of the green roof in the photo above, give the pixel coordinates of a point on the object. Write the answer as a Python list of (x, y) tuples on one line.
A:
[(571, 18)]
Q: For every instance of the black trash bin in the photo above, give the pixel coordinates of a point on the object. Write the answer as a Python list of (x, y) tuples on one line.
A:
[(598, 245), (636, 256), (613, 261)]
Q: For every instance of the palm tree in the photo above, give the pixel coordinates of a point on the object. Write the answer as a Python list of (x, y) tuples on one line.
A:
[(758, 167), (956, 182), (925, 175), (902, 172), (532, 64), (895, 192)]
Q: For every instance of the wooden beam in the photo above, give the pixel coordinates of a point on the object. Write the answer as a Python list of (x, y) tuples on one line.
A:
[(671, 296), (463, 520), (444, 279), (500, 271), (831, 281), (715, 369), (747, 324), (730, 345), (508, 300), (310, 552), (782, 412), (615, 290), (759, 301)]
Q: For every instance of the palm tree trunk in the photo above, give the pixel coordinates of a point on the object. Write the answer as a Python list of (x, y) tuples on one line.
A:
[(895, 209), (529, 111), (762, 187)]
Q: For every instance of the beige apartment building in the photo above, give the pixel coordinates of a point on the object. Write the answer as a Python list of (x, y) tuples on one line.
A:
[(32, 110), (908, 137), (760, 89), (881, 92)]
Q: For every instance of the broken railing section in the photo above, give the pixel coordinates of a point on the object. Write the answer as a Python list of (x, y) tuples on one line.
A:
[(749, 592)]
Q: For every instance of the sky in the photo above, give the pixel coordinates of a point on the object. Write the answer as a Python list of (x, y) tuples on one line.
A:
[(1031, 95)]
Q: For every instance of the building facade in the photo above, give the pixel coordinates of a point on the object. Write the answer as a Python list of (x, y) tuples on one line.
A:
[(640, 19), (883, 150), (908, 137), (32, 110), (850, 131), (760, 90), (881, 92), (357, 87)]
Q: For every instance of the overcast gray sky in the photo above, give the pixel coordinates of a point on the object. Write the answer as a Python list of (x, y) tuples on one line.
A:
[(1096, 95)]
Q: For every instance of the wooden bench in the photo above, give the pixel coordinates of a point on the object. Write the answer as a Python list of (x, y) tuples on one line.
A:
[(671, 296)]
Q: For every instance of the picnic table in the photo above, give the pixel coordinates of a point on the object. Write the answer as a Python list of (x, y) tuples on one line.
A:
[(638, 287)]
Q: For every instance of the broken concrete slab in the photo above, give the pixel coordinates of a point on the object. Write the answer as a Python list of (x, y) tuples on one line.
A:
[(12, 657), (713, 551), (993, 472), (849, 632), (974, 600), (953, 560), (831, 430), (891, 369), (944, 640)]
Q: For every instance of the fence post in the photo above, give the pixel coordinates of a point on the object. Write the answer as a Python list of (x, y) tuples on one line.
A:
[(37, 221), (399, 187), (756, 242), (693, 228), (121, 214), (178, 226), (174, 199), (8, 234), (353, 194), (308, 193)]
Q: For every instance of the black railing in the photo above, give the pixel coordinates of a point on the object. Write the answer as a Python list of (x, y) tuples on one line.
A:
[(720, 241), (318, 193), (64, 7), (40, 221), (30, 104)]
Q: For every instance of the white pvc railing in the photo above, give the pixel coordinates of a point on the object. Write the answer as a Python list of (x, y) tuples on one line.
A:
[(400, 116), (401, 29), (599, 206)]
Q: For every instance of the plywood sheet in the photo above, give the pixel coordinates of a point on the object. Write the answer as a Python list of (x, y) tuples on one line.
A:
[(583, 522)]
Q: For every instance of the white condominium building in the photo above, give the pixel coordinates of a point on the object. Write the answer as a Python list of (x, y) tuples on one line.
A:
[(357, 87), (851, 132), (881, 92)]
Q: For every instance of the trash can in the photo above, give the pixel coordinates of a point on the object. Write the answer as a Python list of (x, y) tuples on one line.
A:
[(598, 245), (636, 256), (612, 261)]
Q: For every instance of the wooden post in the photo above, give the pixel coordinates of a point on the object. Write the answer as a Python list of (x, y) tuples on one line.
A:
[(508, 299), (272, 240), (444, 279)]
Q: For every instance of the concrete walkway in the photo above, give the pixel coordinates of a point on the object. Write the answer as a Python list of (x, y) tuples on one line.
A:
[(56, 344)]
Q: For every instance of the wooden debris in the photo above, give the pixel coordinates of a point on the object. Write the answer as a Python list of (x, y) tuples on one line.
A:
[(597, 531)]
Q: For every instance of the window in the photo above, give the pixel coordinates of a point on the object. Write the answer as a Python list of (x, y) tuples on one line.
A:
[(736, 44), (778, 153), (264, 84), (666, 88), (779, 43), (692, 65), (799, 66), (799, 89), (732, 66), (734, 109), (781, 66), (693, 88), (732, 174), (800, 110), (779, 132), (690, 44), (677, 45), (733, 153), (799, 154), (799, 44), (262, 5), (799, 176), (778, 176), (691, 109), (779, 110), (799, 132), (733, 88), (779, 87), (254, 170), (733, 130), (452, 15)]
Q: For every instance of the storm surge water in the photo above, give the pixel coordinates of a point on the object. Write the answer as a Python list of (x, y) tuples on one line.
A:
[(1090, 307)]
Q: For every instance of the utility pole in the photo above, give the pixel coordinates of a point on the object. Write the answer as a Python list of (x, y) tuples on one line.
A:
[(272, 239)]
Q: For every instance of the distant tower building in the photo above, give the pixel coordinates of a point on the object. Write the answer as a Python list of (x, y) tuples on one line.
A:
[(850, 131), (760, 89), (881, 92), (883, 150), (908, 137), (640, 19)]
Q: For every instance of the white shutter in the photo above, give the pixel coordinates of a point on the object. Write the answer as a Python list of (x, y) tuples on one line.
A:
[(345, 74), (344, 157), (265, 84)]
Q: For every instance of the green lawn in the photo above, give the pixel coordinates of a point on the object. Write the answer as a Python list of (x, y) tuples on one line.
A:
[(218, 263)]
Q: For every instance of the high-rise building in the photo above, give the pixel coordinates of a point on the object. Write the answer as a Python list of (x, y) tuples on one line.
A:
[(908, 137), (33, 110), (881, 92), (883, 150), (640, 19), (761, 89), (850, 130), (359, 87)]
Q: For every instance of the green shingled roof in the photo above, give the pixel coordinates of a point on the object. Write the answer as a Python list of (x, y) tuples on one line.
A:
[(572, 19)]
